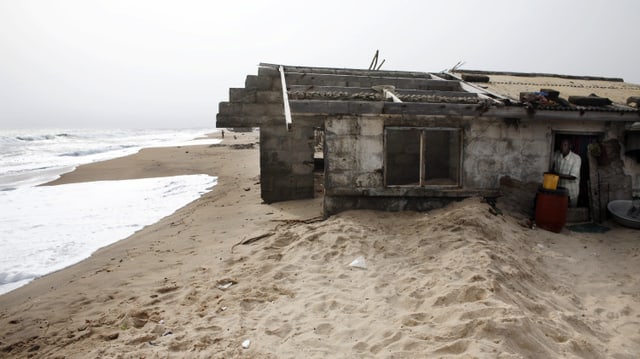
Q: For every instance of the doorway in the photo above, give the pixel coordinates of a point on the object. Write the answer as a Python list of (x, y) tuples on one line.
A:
[(318, 161), (579, 143)]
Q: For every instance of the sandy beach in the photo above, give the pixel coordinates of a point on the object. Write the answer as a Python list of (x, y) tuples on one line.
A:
[(228, 276)]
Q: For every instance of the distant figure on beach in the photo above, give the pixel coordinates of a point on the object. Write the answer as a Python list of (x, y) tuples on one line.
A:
[(222, 133), (567, 164)]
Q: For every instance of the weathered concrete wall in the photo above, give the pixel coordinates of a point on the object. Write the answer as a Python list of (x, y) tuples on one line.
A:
[(286, 155), (354, 167), (492, 148), (354, 152), (286, 162), (259, 103), (522, 150)]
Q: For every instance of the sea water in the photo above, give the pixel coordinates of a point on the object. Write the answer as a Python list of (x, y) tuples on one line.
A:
[(44, 229)]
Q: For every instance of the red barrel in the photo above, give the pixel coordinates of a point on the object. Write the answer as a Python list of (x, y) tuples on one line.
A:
[(551, 208)]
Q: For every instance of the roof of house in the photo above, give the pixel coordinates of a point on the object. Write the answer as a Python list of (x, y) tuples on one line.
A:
[(623, 96), (321, 91), (367, 85)]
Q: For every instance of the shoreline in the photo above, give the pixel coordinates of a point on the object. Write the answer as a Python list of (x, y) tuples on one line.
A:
[(232, 209), (171, 161), (147, 162)]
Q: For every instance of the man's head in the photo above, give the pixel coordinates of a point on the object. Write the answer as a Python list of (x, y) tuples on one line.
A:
[(565, 147)]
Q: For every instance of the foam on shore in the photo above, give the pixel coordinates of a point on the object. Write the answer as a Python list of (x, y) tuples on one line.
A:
[(44, 229)]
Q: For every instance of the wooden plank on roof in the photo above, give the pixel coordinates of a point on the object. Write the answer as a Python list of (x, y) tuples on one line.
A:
[(348, 71), (285, 99)]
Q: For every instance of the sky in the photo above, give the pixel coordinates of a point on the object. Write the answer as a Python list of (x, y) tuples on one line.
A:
[(168, 64)]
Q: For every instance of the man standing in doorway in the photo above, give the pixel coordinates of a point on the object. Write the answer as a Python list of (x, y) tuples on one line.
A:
[(567, 165)]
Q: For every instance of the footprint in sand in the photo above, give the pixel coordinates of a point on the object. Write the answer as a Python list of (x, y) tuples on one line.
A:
[(280, 331), (139, 318), (390, 338), (457, 347), (360, 347), (462, 295), (324, 329), (340, 243), (415, 319), (284, 240)]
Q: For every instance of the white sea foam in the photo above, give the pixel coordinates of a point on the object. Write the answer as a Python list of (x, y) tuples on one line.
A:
[(44, 229), (32, 157)]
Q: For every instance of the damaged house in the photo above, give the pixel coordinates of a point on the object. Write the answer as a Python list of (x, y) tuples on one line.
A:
[(397, 140)]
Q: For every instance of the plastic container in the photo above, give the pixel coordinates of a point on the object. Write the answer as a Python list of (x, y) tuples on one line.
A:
[(551, 208), (550, 181)]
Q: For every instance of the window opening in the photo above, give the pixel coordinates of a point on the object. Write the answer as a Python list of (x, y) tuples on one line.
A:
[(422, 156)]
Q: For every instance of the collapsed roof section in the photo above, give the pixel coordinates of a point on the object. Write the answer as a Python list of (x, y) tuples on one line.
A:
[(558, 92)]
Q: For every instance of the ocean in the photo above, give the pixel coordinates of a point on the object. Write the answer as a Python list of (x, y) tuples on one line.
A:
[(44, 229)]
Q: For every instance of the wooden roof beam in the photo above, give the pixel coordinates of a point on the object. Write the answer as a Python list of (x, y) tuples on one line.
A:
[(347, 71), (285, 99)]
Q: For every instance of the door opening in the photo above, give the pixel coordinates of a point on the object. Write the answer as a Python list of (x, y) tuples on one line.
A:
[(579, 144)]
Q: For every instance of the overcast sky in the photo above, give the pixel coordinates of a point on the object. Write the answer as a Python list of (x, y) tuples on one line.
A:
[(151, 64)]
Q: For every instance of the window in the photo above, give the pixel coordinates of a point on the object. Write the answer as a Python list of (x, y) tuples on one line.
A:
[(422, 156)]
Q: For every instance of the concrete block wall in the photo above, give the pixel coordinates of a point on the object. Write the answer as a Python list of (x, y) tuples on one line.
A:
[(354, 168), (286, 162), (354, 152), (286, 154), (494, 148), (258, 103)]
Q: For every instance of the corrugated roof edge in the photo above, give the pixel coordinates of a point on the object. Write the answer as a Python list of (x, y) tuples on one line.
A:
[(533, 74)]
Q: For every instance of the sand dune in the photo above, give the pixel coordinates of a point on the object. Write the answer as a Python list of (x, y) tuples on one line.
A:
[(459, 282)]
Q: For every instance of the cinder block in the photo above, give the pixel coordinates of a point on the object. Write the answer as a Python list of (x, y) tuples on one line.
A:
[(269, 142), (259, 82), (341, 163), (268, 71), (269, 97), (369, 161), (262, 109), (225, 121), (242, 95), (365, 107), (371, 126), (340, 127), (229, 108), (319, 107), (301, 169), (337, 179), (369, 180)]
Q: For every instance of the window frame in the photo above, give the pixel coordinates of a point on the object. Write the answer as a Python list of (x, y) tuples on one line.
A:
[(422, 170)]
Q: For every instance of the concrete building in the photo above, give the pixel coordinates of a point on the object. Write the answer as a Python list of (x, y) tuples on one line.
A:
[(399, 140)]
